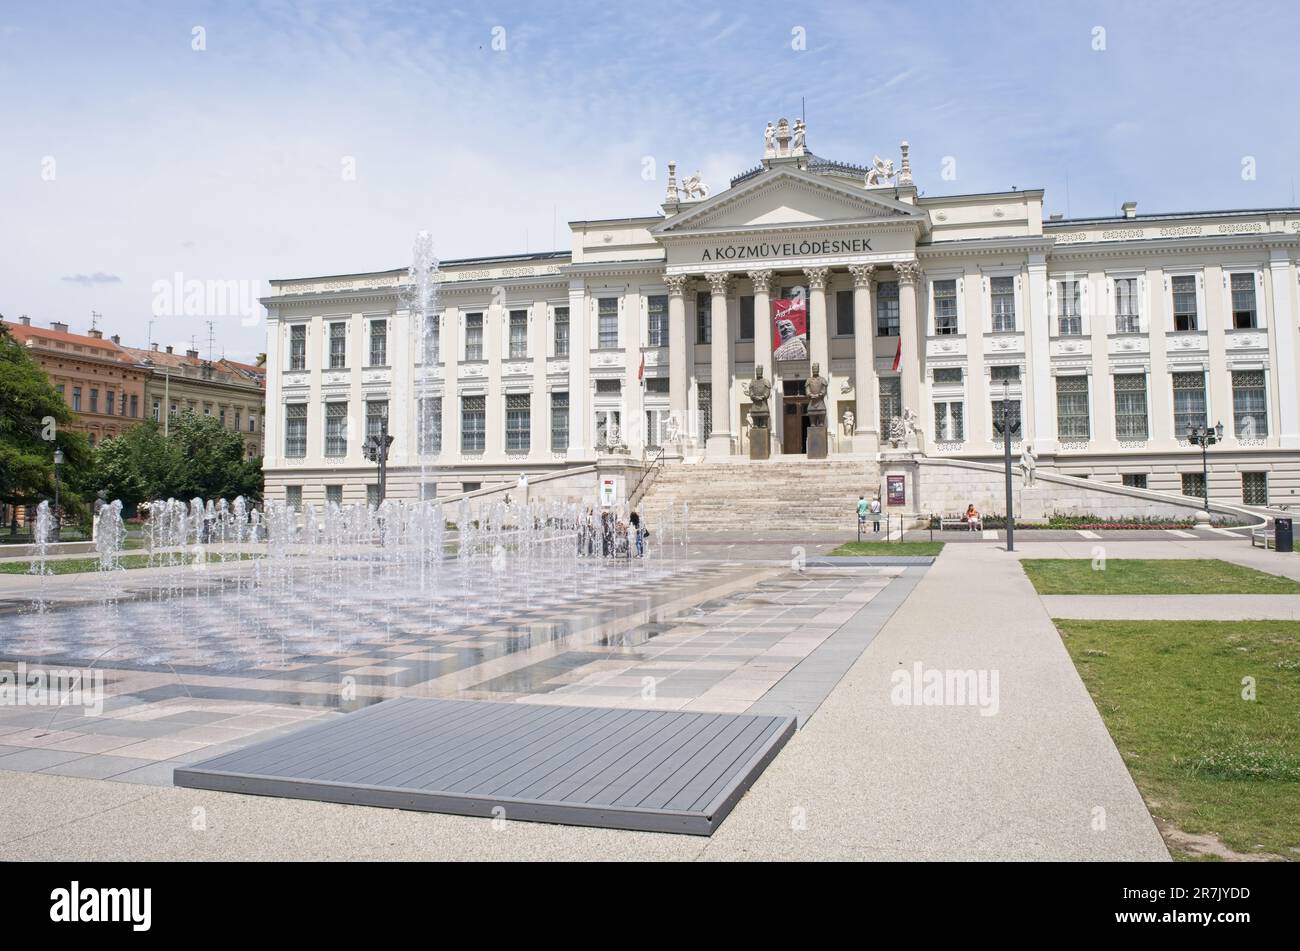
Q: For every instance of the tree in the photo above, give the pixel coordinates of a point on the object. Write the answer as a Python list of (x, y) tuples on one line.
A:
[(198, 457), (33, 423)]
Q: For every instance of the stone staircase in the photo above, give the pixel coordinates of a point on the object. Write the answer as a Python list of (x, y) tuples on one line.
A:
[(775, 495)]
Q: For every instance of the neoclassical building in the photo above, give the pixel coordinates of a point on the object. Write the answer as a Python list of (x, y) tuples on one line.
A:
[(1105, 338)]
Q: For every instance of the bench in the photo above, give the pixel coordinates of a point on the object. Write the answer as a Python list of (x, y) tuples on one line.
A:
[(947, 522), (1263, 536)]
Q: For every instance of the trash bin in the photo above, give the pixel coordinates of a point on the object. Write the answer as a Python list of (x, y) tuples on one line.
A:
[(1282, 536)]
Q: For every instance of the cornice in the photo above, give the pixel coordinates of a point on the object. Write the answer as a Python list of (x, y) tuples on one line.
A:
[(1143, 246)]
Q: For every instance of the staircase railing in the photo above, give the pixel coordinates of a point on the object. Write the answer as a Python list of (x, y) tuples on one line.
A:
[(653, 467)]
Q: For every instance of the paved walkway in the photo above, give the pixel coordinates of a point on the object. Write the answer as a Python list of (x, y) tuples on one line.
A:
[(1175, 607), (866, 778)]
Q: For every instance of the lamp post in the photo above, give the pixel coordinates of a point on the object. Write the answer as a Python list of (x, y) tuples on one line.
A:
[(58, 516), (376, 450), (1006, 426), (1205, 437)]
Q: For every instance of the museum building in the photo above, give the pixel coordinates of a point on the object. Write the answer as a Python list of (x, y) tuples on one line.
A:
[(932, 319)]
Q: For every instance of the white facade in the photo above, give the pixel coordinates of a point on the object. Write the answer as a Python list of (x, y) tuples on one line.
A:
[(1111, 334)]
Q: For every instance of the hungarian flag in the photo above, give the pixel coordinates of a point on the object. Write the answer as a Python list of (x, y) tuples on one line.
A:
[(640, 373), (898, 354)]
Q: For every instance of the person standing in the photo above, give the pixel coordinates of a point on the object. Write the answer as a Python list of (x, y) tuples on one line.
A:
[(875, 514), (862, 512)]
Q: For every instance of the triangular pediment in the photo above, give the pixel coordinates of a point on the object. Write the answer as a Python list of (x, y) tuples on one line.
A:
[(788, 197)]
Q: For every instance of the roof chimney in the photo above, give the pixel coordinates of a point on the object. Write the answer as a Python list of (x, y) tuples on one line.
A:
[(117, 339), (192, 354), (169, 349), (61, 328), (97, 334), (25, 320), (155, 348), (1130, 209)]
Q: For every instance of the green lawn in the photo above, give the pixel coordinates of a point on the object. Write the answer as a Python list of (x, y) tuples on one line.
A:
[(889, 548), (74, 566), (1150, 576), (1205, 758)]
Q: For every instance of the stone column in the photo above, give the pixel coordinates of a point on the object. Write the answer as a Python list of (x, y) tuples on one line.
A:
[(866, 437), (678, 372), (720, 379), (909, 330), (763, 342), (819, 334)]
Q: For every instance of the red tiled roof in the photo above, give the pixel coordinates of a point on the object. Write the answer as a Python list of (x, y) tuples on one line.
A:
[(24, 333)]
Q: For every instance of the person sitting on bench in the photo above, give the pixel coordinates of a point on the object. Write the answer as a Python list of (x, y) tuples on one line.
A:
[(973, 518)]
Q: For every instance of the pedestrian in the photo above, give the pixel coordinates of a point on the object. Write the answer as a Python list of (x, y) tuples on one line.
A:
[(862, 513), (875, 514), (635, 519)]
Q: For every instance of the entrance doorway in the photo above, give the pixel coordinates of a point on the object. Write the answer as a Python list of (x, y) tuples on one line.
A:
[(794, 411)]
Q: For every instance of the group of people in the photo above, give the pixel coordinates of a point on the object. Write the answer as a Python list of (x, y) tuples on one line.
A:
[(869, 510), (608, 535)]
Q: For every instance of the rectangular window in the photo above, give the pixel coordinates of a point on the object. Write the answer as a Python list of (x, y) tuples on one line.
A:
[(887, 309), (471, 486), (157, 411), (518, 422), (844, 316), (372, 496), (298, 347), (1068, 312), (657, 320), (1130, 406), (221, 415), (1003, 293), (108, 402), (295, 430), (252, 423), (607, 323), (947, 374), (473, 336), (1126, 306), (94, 400), (1184, 293), (657, 384), (1007, 374), (76, 399), (333, 495), (1254, 488), (1249, 404), (135, 407), (429, 424), (1134, 480), (1189, 402), (338, 345), (609, 386), (376, 417), (746, 317), (336, 429), (705, 397), (1243, 301), (379, 343), (891, 400), (1194, 484), (559, 422), (945, 307), (1072, 421), (604, 419), (433, 341), (703, 317), (948, 422), (561, 331), (518, 334), (473, 423), (1006, 413), (59, 389), (293, 496)]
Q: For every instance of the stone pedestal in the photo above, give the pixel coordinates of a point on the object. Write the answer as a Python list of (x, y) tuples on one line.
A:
[(760, 443), (816, 442)]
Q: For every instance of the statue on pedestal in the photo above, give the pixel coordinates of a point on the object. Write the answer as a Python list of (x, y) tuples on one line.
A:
[(816, 391), (758, 391)]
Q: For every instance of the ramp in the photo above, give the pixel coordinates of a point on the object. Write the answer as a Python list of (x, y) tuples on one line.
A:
[(647, 770)]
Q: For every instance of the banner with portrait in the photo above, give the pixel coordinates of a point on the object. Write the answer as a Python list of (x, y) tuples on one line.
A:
[(790, 328)]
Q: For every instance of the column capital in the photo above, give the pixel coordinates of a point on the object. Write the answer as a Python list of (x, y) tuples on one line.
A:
[(762, 281), (909, 272), (719, 284), (816, 277), (676, 284), (862, 274)]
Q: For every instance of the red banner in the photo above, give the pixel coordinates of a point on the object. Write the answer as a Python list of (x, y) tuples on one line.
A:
[(789, 329)]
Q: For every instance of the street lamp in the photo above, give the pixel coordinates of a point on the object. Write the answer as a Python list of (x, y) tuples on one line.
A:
[(58, 516), (1205, 437), (375, 449), (1005, 425)]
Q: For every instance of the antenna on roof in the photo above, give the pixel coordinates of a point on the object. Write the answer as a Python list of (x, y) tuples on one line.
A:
[(94, 319), (211, 339), (149, 343)]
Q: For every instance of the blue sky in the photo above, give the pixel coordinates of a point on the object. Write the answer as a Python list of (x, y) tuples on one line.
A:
[(226, 164)]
